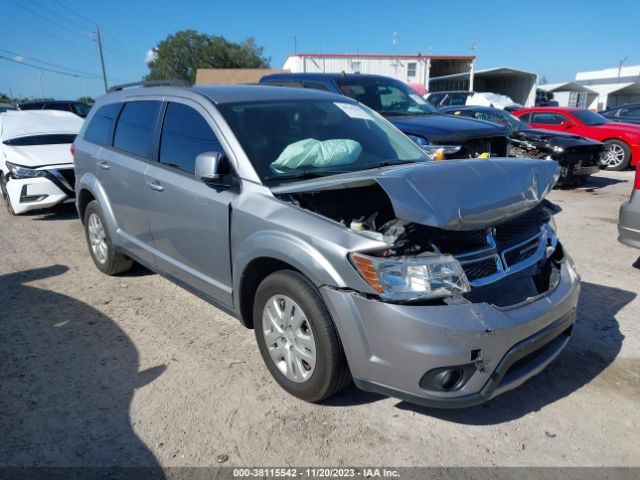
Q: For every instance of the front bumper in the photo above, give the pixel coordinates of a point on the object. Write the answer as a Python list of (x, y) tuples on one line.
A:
[(629, 221), (391, 347), (28, 194)]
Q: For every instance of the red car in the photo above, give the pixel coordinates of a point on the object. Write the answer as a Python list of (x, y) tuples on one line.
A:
[(622, 140)]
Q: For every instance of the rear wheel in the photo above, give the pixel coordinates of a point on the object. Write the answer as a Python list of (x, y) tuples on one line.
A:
[(105, 257), (5, 194), (616, 155), (297, 338)]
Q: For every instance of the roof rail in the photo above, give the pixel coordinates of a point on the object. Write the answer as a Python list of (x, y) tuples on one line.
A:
[(151, 83)]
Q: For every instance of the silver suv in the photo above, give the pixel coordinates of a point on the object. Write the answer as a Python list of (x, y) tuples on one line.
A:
[(321, 226)]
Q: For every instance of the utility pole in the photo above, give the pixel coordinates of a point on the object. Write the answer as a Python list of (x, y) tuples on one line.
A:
[(622, 60), (41, 85), (104, 73), (295, 44)]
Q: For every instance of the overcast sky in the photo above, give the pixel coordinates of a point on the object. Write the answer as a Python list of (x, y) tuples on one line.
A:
[(552, 38)]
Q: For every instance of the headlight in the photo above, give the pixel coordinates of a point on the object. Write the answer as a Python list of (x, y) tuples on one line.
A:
[(434, 152), (412, 278), (23, 172)]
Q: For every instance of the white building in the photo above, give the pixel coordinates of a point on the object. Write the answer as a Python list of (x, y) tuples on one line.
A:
[(571, 94), (519, 85), (415, 70), (612, 86)]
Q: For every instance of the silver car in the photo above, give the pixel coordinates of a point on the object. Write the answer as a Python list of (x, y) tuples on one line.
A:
[(629, 220), (321, 226)]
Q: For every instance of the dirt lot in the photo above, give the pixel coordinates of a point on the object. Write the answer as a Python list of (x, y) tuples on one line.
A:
[(132, 370)]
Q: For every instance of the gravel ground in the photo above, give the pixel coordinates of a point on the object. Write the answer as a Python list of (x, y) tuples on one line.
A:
[(133, 370)]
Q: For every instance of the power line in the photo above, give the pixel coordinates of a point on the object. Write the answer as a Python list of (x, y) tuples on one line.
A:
[(82, 35), (89, 21), (47, 34), (47, 63), (66, 19), (122, 46), (38, 67)]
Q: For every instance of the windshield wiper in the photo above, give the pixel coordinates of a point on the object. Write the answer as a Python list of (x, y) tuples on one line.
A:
[(304, 174)]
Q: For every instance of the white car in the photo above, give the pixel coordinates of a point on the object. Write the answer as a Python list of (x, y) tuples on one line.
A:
[(36, 164), (460, 97)]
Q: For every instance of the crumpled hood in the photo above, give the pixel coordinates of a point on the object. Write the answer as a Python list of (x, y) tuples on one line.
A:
[(559, 139), (440, 128), (35, 156), (453, 194)]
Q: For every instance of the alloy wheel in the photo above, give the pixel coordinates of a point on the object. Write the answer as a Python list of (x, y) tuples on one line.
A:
[(97, 238), (613, 155), (289, 338)]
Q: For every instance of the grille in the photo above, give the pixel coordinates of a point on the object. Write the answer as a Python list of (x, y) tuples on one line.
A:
[(461, 242), (522, 227), (586, 156), (69, 175), (522, 252), (481, 268)]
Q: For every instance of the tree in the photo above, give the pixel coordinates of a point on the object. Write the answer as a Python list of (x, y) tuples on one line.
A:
[(87, 99), (181, 54)]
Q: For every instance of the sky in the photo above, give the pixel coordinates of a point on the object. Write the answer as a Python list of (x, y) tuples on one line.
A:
[(555, 39)]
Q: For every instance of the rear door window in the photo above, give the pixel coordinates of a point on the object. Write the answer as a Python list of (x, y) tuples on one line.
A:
[(135, 127), (65, 107), (185, 135), (100, 128), (547, 118)]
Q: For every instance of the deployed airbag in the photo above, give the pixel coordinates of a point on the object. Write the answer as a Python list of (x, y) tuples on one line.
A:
[(318, 154)]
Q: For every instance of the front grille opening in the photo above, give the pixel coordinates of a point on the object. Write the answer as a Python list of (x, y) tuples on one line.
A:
[(481, 268)]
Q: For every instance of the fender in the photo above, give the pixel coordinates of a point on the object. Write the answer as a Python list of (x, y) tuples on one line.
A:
[(90, 182), (287, 248)]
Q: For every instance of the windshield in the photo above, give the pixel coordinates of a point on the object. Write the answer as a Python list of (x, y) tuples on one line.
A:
[(49, 139), (589, 118), (295, 139), (81, 109), (385, 96)]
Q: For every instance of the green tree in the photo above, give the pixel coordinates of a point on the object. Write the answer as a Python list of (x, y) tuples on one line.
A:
[(180, 55), (87, 99)]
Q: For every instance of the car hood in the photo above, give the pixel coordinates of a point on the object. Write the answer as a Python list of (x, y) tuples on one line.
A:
[(453, 194), (550, 137), (440, 128), (35, 156)]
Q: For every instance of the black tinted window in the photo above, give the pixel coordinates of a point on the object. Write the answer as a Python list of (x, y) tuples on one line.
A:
[(547, 118), (53, 139), (525, 118), (32, 106), (134, 128), (100, 127), (65, 107), (185, 135)]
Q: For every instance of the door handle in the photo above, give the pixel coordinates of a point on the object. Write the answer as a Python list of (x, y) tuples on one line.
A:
[(155, 185), (104, 165)]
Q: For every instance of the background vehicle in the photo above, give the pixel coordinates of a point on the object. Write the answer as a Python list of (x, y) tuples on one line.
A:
[(329, 232), (629, 219), (79, 108), (578, 156), (464, 97), (6, 106), (439, 135), (622, 141), (629, 113), (36, 166), (545, 99)]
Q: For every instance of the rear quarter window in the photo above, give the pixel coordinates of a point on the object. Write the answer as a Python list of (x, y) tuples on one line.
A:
[(101, 125), (135, 127)]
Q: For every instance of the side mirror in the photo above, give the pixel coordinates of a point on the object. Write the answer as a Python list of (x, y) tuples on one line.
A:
[(567, 125), (210, 166)]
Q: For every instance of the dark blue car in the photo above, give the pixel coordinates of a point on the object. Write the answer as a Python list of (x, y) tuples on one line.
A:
[(441, 136)]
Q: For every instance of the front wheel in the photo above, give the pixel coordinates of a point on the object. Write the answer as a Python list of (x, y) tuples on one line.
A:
[(5, 194), (616, 155), (105, 257), (297, 338)]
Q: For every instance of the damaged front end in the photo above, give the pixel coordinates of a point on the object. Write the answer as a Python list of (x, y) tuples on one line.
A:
[(442, 241)]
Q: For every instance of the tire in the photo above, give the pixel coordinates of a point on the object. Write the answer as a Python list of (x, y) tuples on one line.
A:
[(105, 257), (327, 373), (616, 155), (5, 195)]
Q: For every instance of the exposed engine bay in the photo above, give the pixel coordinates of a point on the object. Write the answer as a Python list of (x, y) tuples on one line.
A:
[(505, 263)]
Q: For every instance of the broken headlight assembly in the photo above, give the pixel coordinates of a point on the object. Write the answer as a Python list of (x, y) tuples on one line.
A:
[(22, 172), (434, 152), (412, 278)]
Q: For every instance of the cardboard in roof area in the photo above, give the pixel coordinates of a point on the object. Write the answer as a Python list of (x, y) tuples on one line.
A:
[(209, 76)]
